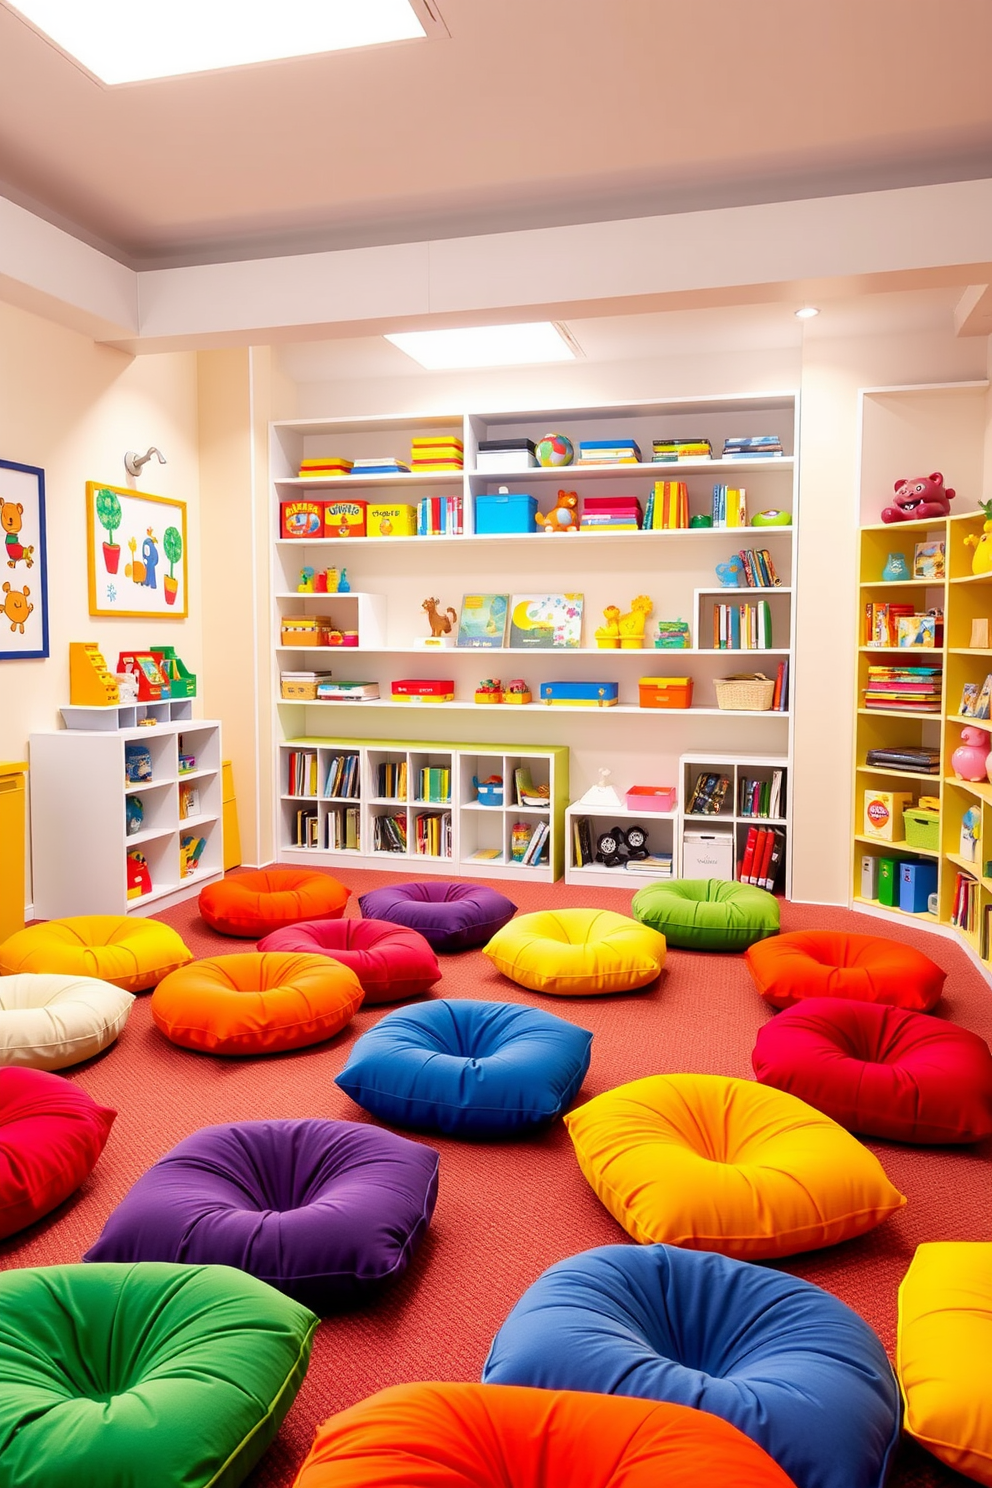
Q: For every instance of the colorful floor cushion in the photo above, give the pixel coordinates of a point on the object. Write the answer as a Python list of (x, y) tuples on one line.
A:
[(451, 916), (125, 950), (714, 1163), (51, 1134), (832, 963), (707, 914), (943, 1351), (467, 1068), (391, 963), (501, 1436), (51, 1021), (577, 952), (880, 1070), (783, 1361), (256, 903), (325, 1211), (256, 1002), (143, 1375)]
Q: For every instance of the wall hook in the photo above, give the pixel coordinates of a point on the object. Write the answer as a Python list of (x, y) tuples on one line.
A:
[(133, 461)]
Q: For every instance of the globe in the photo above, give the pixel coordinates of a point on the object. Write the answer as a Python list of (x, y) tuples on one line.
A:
[(554, 449)]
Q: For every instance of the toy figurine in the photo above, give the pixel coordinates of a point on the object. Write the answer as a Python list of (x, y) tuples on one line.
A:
[(134, 813), (517, 691), (969, 759), (918, 498), (971, 831), (729, 573), (441, 624), (343, 586), (896, 568), (563, 516), (489, 791), (608, 634), (981, 559), (305, 585), (632, 624)]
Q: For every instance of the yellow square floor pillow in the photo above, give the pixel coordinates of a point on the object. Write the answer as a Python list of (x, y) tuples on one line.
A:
[(577, 952), (48, 1022), (126, 950), (714, 1163), (707, 914), (944, 1353)]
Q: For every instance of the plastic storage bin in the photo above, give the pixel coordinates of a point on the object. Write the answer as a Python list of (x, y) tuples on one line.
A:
[(921, 827), (917, 881), (505, 512), (651, 798), (707, 855), (665, 692)]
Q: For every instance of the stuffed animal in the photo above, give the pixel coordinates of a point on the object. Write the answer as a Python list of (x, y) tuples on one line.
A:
[(632, 624), (729, 573), (981, 561), (563, 516), (921, 496)]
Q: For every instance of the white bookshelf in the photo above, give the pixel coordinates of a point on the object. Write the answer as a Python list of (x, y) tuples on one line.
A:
[(730, 820)]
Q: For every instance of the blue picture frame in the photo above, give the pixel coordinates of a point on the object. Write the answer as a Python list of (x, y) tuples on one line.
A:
[(23, 563)]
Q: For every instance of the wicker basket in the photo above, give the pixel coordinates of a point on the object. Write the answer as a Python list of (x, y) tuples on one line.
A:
[(750, 691)]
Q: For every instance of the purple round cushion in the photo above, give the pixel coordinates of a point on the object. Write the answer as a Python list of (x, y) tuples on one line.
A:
[(451, 916), (391, 962), (324, 1211)]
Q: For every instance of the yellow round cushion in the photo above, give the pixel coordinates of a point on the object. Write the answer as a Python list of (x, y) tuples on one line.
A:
[(713, 1163), (127, 951), (577, 952), (944, 1351)]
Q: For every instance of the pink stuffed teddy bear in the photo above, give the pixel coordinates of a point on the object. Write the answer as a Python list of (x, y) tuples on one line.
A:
[(920, 497)]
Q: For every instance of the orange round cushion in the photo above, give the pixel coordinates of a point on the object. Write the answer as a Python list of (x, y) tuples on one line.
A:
[(126, 950), (256, 1002), (831, 963), (254, 904), (491, 1436)]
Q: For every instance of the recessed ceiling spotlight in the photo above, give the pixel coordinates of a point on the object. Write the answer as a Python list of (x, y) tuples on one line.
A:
[(807, 312), (486, 346)]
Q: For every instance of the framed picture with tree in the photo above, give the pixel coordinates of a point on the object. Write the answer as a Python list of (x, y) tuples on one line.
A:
[(136, 553)]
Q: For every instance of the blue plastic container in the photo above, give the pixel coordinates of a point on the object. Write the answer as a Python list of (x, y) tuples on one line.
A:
[(512, 512), (917, 881), (580, 694)]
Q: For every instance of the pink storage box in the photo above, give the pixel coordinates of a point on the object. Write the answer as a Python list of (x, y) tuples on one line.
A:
[(651, 798)]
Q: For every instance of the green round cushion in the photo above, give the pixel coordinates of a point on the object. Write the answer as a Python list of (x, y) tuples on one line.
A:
[(131, 1376), (707, 914)]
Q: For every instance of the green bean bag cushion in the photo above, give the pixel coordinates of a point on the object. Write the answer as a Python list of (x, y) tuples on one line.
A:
[(143, 1376), (707, 914)]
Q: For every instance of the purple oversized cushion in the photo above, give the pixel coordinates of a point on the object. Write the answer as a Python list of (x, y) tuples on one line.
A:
[(325, 1211), (391, 962), (452, 916)]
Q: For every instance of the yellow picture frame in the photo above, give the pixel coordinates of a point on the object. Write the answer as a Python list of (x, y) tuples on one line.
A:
[(152, 530)]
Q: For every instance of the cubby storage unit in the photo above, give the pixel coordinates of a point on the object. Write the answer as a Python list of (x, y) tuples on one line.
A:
[(756, 796), (79, 801), (660, 827), (398, 788)]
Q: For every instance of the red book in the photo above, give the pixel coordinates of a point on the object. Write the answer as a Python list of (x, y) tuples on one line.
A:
[(747, 862), (761, 866), (779, 679)]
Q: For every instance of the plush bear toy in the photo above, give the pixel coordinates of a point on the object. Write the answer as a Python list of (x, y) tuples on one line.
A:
[(563, 516), (920, 497)]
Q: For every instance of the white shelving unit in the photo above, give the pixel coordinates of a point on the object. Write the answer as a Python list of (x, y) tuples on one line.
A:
[(730, 819), (79, 799), (662, 838)]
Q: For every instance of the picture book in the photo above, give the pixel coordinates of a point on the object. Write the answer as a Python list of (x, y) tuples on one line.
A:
[(928, 561), (969, 697), (546, 621), (983, 703), (482, 620), (529, 794), (917, 630)]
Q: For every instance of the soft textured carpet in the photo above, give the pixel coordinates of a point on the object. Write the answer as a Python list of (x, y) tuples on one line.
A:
[(507, 1210)]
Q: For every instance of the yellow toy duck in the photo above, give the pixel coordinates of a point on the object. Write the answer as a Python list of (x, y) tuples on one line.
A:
[(981, 559)]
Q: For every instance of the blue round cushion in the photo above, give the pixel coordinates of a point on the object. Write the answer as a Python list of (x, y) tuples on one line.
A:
[(788, 1364), (467, 1068)]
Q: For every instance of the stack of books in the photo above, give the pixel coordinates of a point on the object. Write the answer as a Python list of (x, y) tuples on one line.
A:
[(905, 757), (325, 465), (307, 827), (342, 832), (302, 771), (433, 834), (764, 853), (746, 627), (965, 911), (755, 447), (610, 514), (537, 847), (759, 570), (760, 797), (668, 506), (339, 691), (504, 456), (882, 623), (389, 834), (657, 865), (708, 794), (729, 506), (441, 516), (391, 781), (670, 451), (342, 778), (380, 465), (436, 452), (609, 452), (903, 689), (434, 785)]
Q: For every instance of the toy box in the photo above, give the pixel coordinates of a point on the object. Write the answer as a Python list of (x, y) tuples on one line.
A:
[(708, 855), (651, 798), (580, 694), (306, 630), (345, 518), (665, 692), (921, 826), (508, 511), (301, 517), (423, 689), (917, 881), (883, 814), (391, 519)]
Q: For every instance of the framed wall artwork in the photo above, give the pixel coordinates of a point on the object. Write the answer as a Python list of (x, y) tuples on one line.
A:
[(24, 586), (136, 553)]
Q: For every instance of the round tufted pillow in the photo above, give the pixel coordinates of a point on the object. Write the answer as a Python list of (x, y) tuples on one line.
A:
[(451, 916), (714, 1163), (577, 952), (467, 1068), (707, 914), (391, 963), (127, 951), (503, 1436), (832, 963), (49, 1022), (880, 1070), (143, 1375), (325, 1211), (783, 1361), (256, 903), (256, 1002), (51, 1134)]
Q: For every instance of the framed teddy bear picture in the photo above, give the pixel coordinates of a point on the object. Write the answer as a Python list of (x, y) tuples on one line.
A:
[(24, 578)]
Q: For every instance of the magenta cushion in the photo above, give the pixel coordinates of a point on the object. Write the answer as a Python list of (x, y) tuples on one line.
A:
[(451, 916), (880, 1070), (391, 962)]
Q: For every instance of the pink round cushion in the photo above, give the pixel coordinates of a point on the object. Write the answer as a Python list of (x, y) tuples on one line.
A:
[(391, 962), (880, 1070), (254, 904), (832, 963), (51, 1134)]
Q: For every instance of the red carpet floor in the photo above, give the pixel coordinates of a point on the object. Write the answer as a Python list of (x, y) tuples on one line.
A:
[(507, 1210)]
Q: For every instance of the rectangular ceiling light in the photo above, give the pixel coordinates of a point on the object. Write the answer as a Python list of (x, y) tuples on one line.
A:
[(486, 346), (130, 41)]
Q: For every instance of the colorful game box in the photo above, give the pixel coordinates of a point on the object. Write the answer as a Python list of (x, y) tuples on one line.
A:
[(391, 519), (302, 517), (345, 518)]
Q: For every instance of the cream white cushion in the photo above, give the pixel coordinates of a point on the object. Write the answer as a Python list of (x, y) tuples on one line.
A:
[(50, 1020)]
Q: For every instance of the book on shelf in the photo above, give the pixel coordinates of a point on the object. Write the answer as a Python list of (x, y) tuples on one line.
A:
[(391, 780), (746, 627), (708, 794), (340, 691), (434, 785), (881, 623), (608, 452), (759, 569), (529, 794), (657, 865), (306, 827), (668, 506), (482, 621), (486, 855), (545, 621), (763, 856), (342, 832), (670, 451), (964, 913), (582, 849), (432, 834), (189, 801), (914, 689), (441, 516), (537, 846), (752, 447), (780, 697), (342, 777), (905, 757), (389, 834), (301, 772), (380, 465), (760, 798), (729, 507)]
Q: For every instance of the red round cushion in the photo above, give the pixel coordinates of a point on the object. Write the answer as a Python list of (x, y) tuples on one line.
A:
[(390, 961), (880, 1070), (254, 904), (51, 1134), (831, 963)]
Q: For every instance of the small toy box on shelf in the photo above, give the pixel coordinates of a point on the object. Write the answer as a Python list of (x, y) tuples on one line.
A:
[(580, 694), (653, 798), (489, 691), (506, 511), (423, 690), (665, 692), (489, 792)]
